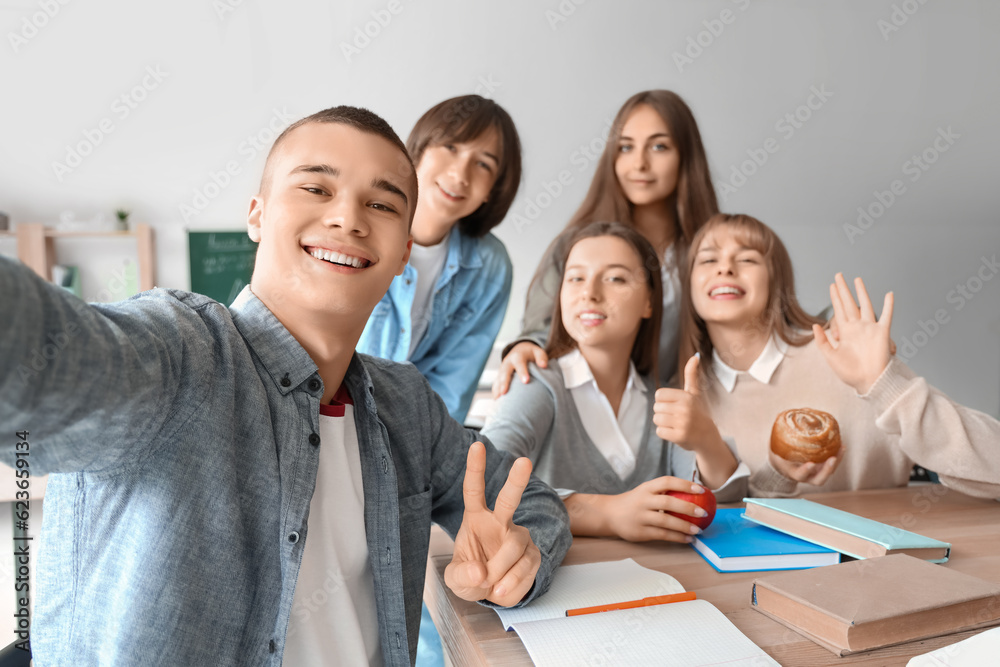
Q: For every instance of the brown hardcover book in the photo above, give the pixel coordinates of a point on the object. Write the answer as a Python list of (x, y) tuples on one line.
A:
[(867, 604)]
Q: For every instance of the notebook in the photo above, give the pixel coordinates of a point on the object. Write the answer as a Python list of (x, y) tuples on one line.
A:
[(847, 533), (734, 544), (976, 651), (866, 604), (680, 633)]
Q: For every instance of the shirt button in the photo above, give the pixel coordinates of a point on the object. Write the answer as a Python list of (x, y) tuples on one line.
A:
[(313, 384), (285, 382), (271, 647), (385, 464), (313, 439), (293, 537)]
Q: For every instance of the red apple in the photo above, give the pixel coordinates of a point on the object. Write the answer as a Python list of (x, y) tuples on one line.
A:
[(706, 501)]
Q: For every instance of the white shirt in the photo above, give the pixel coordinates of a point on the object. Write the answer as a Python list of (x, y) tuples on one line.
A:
[(618, 437), (761, 369), (428, 261), (333, 619)]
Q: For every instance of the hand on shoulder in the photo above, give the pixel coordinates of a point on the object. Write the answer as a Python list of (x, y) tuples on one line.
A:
[(516, 362)]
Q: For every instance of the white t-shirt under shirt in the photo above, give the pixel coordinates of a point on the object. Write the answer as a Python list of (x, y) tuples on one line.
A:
[(428, 262), (333, 619)]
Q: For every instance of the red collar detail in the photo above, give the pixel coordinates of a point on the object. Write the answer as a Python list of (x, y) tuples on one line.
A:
[(336, 408)]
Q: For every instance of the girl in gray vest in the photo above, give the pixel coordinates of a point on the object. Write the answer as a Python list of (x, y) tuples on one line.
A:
[(587, 420)]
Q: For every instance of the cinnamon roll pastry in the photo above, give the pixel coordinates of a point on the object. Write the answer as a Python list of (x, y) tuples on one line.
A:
[(804, 434)]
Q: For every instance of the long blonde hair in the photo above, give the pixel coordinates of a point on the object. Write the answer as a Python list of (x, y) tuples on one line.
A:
[(782, 315)]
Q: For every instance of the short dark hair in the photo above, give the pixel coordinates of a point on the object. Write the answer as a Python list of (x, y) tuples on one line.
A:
[(360, 119), (647, 340), (462, 119)]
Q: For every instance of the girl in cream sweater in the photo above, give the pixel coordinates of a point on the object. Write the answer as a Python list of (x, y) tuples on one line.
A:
[(767, 355)]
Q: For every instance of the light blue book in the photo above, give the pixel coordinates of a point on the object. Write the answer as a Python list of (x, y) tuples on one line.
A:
[(733, 544), (847, 533)]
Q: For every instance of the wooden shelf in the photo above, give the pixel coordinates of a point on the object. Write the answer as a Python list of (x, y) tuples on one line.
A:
[(36, 248)]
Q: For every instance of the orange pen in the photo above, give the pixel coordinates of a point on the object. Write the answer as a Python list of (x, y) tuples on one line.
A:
[(633, 604)]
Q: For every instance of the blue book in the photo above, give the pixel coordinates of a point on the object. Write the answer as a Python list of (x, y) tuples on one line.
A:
[(733, 544), (847, 533)]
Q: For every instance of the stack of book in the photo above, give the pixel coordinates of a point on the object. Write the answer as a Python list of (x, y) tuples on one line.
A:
[(893, 593)]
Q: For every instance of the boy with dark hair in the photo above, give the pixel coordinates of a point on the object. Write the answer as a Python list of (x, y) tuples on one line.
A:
[(235, 486)]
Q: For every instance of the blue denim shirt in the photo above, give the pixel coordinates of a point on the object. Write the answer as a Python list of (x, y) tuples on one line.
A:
[(182, 441), (465, 313)]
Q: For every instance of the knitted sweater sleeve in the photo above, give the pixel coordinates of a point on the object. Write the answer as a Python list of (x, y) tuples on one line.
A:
[(962, 445)]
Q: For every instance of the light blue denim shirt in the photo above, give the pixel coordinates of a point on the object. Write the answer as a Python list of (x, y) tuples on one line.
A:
[(465, 313), (182, 438)]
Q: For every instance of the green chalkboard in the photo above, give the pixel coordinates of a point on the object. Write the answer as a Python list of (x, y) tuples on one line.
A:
[(221, 263)]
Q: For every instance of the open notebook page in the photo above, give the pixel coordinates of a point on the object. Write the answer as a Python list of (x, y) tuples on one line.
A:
[(575, 586), (980, 649), (680, 634)]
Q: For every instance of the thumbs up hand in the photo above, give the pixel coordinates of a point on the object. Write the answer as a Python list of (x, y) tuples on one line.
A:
[(681, 416)]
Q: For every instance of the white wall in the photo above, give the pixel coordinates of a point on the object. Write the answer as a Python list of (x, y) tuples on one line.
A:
[(226, 66)]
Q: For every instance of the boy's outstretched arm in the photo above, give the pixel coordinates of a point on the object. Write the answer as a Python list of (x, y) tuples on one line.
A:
[(82, 379)]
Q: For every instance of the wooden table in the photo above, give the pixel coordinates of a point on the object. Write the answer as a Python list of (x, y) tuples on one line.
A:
[(473, 635)]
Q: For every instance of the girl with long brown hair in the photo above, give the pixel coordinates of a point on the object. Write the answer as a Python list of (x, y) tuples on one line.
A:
[(587, 421), (652, 176)]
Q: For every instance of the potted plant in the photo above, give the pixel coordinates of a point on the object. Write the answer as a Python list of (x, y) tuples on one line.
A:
[(122, 216)]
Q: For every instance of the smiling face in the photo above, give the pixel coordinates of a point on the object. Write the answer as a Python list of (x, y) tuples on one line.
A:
[(332, 223), (605, 294), (455, 179), (647, 163), (729, 281)]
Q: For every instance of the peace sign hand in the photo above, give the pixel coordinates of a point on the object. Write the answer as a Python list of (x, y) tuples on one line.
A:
[(494, 559), (864, 346)]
